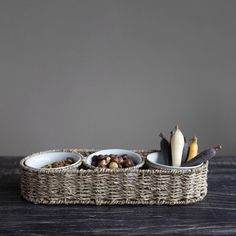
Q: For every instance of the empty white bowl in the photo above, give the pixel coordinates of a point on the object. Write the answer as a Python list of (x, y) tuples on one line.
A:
[(136, 158), (41, 159), (156, 160)]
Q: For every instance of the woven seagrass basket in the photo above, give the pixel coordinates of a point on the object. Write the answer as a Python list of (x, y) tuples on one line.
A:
[(120, 186)]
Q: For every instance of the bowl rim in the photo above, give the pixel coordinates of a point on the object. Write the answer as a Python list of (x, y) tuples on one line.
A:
[(76, 164), (162, 166), (109, 150)]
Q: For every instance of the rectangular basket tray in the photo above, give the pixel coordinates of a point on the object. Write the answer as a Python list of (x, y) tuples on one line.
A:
[(122, 186)]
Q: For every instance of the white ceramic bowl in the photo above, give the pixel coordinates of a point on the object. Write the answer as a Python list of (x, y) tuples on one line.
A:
[(41, 159), (136, 158), (156, 160)]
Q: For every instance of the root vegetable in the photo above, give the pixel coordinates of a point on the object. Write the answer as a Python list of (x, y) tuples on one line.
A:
[(177, 145)]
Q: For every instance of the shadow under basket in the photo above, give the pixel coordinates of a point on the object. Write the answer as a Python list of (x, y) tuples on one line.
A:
[(110, 187)]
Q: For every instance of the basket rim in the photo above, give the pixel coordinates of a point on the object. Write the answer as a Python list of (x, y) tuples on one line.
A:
[(74, 169)]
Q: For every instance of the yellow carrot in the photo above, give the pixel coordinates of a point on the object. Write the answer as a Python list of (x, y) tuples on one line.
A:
[(193, 149)]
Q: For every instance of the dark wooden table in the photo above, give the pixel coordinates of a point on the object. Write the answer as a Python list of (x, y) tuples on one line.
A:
[(215, 215)]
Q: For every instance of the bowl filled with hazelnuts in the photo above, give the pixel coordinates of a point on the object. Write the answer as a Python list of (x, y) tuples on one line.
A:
[(114, 159)]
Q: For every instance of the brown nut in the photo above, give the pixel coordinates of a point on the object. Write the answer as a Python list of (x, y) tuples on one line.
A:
[(113, 165), (130, 163), (115, 159), (127, 163), (108, 159), (102, 163), (99, 157), (94, 163), (121, 160)]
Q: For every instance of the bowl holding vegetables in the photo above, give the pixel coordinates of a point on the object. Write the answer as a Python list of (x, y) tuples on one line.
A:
[(179, 154)]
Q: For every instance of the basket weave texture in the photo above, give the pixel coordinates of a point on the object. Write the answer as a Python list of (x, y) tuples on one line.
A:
[(110, 187)]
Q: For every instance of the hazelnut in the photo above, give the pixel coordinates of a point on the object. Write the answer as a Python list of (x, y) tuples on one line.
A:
[(121, 160), (115, 159), (113, 165), (130, 162), (94, 163), (127, 163), (102, 163), (99, 157), (108, 159)]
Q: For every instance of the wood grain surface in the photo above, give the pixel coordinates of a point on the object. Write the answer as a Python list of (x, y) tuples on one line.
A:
[(215, 215)]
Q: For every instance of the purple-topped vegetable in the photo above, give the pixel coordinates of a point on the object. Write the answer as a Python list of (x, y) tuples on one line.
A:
[(165, 148), (205, 155), (185, 151)]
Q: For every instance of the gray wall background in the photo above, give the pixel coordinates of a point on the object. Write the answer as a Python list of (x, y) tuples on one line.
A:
[(111, 73)]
